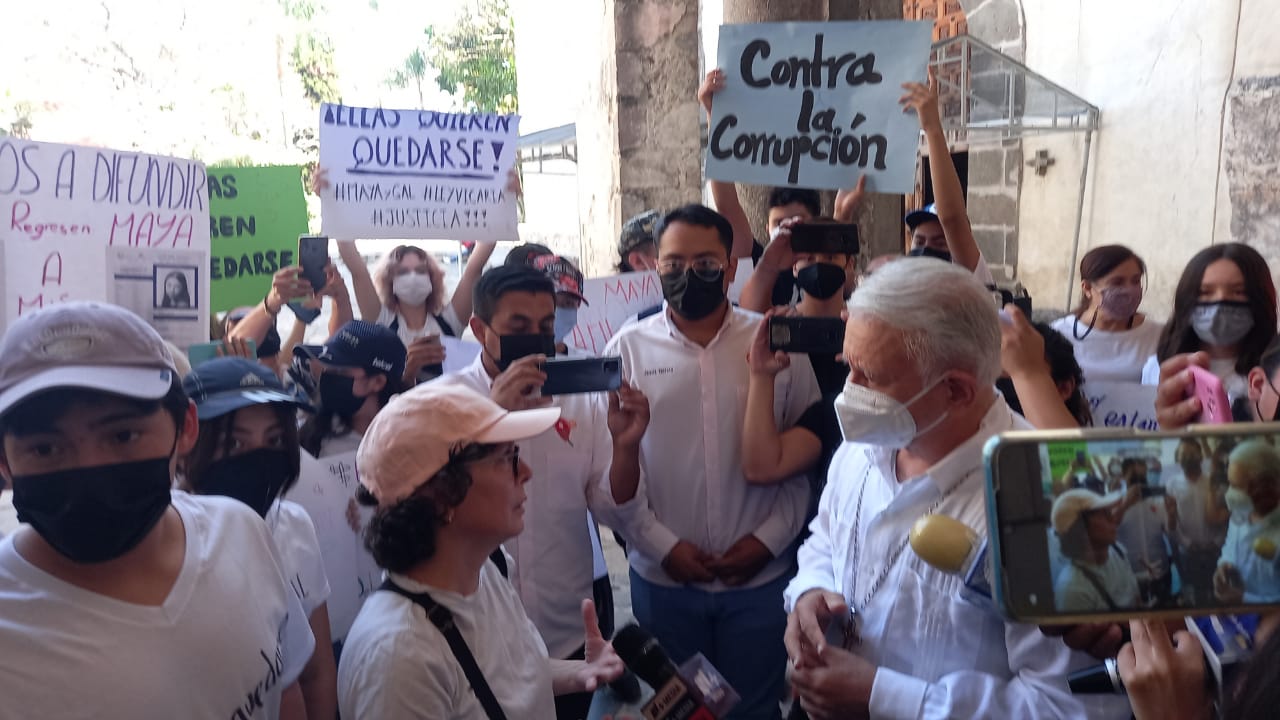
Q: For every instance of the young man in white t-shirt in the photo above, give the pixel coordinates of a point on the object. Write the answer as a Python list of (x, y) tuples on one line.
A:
[(121, 597)]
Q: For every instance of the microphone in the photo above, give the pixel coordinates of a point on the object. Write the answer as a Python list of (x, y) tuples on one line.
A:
[(1100, 679), (950, 546), (693, 691), (609, 704)]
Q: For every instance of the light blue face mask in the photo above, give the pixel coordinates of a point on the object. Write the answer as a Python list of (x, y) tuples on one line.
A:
[(566, 319)]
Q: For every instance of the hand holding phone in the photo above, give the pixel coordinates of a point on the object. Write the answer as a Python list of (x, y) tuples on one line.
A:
[(568, 376), (806, 335), (425, 357)]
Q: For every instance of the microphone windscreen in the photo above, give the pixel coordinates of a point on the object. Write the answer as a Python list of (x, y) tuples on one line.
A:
[(641, 653), (945, 543)]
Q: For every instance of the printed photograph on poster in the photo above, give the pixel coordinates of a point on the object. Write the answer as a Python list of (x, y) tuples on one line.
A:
[(176, 288), (167, 288)]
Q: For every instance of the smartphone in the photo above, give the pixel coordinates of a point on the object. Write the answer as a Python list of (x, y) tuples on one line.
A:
[(313, 256), (568, 376), (806, 335), (204, 352), (1020, 299), (1063, 554), (305, 314), (833, 238), (1214, 406)]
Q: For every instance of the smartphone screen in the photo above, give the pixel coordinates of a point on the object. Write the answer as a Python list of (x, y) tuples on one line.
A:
[(806, 335), (569, 376), (1096, 525), (313, 256)]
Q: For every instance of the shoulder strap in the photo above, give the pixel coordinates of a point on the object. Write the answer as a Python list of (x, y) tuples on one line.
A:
[(497, 558), (1097, 585), (440, 616), (395, 323), (445, 327)]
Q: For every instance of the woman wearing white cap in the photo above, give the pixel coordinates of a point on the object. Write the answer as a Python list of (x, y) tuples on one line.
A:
[(446, 635), (1098, 578)]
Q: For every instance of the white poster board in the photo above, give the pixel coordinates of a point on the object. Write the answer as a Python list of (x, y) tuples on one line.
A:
[(417, 174), (326, 490), (610, 302), (71, 217), (815, 104), (1122, 404)]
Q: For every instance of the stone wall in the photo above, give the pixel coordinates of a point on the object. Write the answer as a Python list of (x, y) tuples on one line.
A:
[(1251, 159), (599, 200)]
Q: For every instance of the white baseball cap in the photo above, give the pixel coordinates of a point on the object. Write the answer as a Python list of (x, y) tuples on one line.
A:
[(414, 436), (94, 346), (1071, 504)]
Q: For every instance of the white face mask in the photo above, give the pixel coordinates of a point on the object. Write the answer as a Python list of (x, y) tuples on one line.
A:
[(412, 288), (1239, 502), (566, 319), (871, 417)]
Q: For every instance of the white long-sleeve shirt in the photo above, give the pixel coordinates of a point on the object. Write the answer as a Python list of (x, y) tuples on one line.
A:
[(553, 569), (938, 656), (691, 485)]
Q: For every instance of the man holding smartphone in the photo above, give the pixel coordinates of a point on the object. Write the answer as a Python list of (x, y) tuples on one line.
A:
[(514, 320), (923, 346)]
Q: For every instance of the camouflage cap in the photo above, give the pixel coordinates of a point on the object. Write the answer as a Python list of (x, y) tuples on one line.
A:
[(638, 231)]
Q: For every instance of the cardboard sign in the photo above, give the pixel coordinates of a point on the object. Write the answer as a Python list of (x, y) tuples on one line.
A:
[(815, 105), (417, 174), (71, 213), (611, 301), (1122, 404), (326, 490), (255, 217)]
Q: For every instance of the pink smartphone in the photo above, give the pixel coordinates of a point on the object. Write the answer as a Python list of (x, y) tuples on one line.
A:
[(1214, 407)]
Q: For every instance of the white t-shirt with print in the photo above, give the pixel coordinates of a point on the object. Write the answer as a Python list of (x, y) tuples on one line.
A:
[(227, 641), (397, 664), (407, 335), (1107, 356), (295, 538)]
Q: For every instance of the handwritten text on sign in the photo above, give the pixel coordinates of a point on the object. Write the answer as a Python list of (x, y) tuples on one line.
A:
[(255, 217), (816, 104), (612, 300), (1122, 404), (62, 207), (417, 174)]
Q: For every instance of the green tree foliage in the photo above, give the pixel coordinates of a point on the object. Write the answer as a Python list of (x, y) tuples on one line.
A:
[(476, 58), (312, 55)]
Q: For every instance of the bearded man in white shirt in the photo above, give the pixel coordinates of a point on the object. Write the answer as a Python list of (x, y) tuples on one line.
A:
[(710, 554), (923, 346)]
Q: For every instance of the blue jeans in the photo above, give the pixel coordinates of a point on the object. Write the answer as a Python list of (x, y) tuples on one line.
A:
[(738, 631)]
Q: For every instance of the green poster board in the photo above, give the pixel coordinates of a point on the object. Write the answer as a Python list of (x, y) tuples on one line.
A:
[(255, 217)]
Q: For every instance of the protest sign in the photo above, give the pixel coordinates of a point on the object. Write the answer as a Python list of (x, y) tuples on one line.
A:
[(255, 217), (815, 105), (610, 301), (326, 489), (417, 174), (70, 213), (1122, 404)]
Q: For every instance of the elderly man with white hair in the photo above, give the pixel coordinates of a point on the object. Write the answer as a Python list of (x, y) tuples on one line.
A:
[(1249, 567), (923, 348)]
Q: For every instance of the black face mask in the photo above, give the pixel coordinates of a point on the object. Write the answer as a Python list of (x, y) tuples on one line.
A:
[(95, 514), (692, 297), (337, 395), (926, 251), (254, 478), (821, 280), (270, 346), (513, 347)]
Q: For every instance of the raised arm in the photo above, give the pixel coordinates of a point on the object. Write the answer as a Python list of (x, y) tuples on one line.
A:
[(757, 291), (724, 195), (367, 299), (285, 285), (770, 456), (463, 294), (948, 194), (1022, 356)]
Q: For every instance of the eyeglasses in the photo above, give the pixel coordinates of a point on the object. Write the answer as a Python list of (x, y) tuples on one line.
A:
[(511, 456), (704, 268)]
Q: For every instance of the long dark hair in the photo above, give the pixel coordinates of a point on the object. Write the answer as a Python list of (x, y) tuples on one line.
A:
[(1260, 290), (215, 442), (184, 298), (325, 423), (1099, 262), (1256, 694), (1063, 366)]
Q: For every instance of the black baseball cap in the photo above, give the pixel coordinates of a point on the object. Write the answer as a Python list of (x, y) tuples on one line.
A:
[(224, 385), (360, 344), (928, 213)]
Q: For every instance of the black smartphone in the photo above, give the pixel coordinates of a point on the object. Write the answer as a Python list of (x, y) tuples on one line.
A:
[(833, 238), (1020, 299), (313, 256), (568, 376), (1063, 553), (806, 335)]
